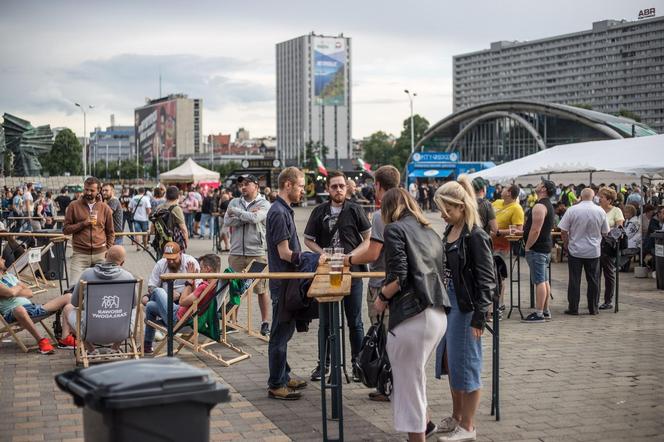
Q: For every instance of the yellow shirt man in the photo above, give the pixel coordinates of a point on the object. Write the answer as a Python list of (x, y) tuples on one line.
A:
[(506, 215)]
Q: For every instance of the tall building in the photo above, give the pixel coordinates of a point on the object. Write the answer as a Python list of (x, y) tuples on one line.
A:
[(314, 96), (615, 66), (113, 144), (169, 127)]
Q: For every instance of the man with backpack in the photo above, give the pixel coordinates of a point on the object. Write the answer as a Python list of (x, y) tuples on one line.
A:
[(168, 223)]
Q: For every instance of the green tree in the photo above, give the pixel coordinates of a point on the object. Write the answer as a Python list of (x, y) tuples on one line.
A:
[(312, 150), (629, 114), (65, 155), (378, 148), (402, 147)]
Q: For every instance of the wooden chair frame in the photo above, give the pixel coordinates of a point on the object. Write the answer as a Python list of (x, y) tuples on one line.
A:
[(190, 339), (37, 280), (12, 329), (230, 318), (81, 353)]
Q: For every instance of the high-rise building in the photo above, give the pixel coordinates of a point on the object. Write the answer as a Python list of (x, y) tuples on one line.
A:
[(314, 97), (169, 127), (615, 66), (113, 144)]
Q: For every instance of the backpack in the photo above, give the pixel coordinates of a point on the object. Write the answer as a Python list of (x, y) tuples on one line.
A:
[(372, 362), (165, 229)]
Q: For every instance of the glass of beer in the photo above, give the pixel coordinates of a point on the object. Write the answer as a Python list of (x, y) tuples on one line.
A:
[(93, 217), (336, 271)]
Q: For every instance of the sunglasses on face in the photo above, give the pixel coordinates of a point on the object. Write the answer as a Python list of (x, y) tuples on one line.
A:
[(337, 186)]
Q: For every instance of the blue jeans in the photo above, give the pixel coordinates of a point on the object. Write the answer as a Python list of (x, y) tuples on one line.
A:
[(353, 311), (280, 334), (140, 226), (189, 221), (157, 307), (205, 219)]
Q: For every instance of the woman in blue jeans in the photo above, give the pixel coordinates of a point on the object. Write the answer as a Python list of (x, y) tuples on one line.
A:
[(471, 283)]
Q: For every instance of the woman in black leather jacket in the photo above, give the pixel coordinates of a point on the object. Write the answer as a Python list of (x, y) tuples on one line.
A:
[(471, 282), (414, 291)]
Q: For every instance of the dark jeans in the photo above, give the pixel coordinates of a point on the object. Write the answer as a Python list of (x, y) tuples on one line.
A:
[(591, 267), (127, 219), (608, 263), (353, 311), (277, 350)]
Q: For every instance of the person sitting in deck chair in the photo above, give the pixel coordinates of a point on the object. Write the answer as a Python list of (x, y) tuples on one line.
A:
[(15, 306), (108, 270), (158, 306)]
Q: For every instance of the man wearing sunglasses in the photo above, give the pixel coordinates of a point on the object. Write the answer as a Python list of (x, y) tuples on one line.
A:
[(340, 223)]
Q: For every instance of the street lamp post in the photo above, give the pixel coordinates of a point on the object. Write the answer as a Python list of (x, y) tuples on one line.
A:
[(412, 126), (85, 135)]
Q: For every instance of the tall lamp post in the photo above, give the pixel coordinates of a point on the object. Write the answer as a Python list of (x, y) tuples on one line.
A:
[(411, 95), (85, 135)]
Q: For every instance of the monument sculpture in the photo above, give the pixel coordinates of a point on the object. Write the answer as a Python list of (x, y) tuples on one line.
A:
[(26, 143)]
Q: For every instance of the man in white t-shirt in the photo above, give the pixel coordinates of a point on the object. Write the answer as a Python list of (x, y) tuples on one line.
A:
[(140, 207), (582, 228)]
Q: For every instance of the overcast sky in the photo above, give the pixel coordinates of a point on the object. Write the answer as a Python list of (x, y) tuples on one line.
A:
[(109, 54)]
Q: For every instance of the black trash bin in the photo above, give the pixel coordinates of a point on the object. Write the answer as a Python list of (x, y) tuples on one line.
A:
[(52, 263), (659, 257), (148, 400)]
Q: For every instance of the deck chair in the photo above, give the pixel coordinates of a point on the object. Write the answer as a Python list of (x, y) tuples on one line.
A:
[(109, 309), (231, 317), (36, 279), (12, 329), (202, 318)]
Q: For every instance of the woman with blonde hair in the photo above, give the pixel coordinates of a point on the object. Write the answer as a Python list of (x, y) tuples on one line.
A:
[(414, 291), (470, 281), (607, 197)]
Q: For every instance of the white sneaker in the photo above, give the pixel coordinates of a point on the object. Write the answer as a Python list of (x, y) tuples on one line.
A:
[(447, 425), (459, 435), (159, 336)]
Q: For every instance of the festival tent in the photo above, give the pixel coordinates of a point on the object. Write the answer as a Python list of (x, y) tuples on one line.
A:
[(641, 157), (188, 172)]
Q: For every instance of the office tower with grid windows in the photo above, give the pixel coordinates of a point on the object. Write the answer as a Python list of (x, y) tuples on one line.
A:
[(314, 97), (615, 66)]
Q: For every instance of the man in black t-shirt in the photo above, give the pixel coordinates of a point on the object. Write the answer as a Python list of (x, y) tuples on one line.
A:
[(340, 223), (63, 200), (484, 207)]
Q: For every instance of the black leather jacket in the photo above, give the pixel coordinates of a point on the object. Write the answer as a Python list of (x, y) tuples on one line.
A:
[(414, 257), (475, 283)]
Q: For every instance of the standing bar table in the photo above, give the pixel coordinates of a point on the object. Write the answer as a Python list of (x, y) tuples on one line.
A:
[(329, 306)]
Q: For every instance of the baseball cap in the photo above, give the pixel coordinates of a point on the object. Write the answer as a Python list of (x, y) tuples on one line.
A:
[(479, 183), (550, 186), (248, 177), (171, 250)]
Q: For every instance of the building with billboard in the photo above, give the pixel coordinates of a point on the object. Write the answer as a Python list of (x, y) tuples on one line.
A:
[(614, 67), (169, 127), (314, 97)]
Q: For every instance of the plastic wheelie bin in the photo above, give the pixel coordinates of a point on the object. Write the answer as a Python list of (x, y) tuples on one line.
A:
[(148, 400), (659, 257)]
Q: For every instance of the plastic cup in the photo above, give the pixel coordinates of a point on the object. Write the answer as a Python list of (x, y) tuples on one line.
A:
[(512, 229), (93, 217), (336, 272)]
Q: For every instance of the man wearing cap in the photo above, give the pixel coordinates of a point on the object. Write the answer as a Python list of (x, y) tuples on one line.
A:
[(484, 207), (537, 235), (173, 261), (246, 217)]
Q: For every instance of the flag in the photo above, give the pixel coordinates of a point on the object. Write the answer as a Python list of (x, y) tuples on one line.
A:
[(363, 165), (321, 167)]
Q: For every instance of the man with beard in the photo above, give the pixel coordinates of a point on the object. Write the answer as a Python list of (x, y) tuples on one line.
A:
[(90, 223), (283, 253), (173, 261), (108, 194), (340, 223)]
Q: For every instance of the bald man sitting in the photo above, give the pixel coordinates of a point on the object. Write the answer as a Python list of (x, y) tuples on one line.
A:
[(108, 270)]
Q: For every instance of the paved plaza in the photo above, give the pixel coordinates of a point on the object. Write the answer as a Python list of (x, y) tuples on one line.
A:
[(573, 379)]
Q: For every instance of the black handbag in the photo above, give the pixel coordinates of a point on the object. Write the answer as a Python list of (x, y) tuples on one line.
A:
[(372, 362)]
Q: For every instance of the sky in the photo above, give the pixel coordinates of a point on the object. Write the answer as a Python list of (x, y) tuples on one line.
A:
[(110, 54)]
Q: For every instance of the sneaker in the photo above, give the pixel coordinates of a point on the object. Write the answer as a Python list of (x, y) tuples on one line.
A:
[(532, 318), (265, 329), (295, 384), (447, 425), (547, 315), (356, 374), (606, 306), (501, 308), (147, 349), (377, 396), (316, 374), (431, 429), (283, 393), (67, 343), (459, 434), (45, 346)]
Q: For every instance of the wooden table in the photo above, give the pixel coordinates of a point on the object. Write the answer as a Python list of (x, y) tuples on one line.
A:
[(329, 306)]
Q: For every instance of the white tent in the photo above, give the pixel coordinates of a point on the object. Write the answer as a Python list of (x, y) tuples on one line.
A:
[(641, 156), (188, 172)]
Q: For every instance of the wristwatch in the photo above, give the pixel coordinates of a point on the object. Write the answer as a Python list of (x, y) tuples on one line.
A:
[(383, 298)]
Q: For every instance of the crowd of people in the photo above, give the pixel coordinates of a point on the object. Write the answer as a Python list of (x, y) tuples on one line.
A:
[(435, 296)]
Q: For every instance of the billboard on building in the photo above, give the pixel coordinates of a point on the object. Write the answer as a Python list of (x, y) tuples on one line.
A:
[(155, 130), (330, 55)]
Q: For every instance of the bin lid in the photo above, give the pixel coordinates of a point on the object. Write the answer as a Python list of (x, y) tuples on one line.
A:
[(143, 382)]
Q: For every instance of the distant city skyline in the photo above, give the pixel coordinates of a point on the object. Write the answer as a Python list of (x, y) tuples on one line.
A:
[(111, 55)]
